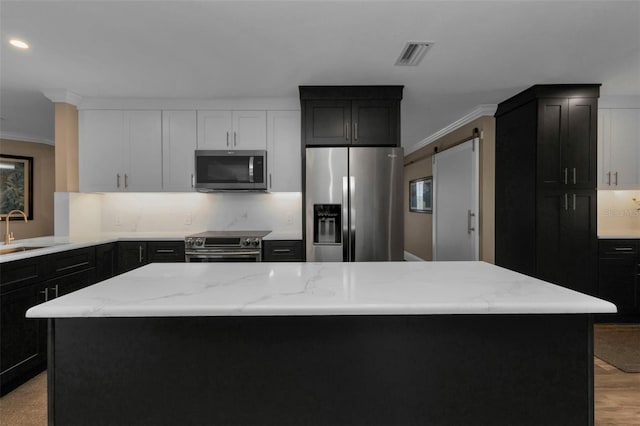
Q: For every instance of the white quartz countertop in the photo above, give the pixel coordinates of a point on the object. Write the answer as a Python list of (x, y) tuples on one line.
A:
[(53, 244), (366, 288), (622, 235)]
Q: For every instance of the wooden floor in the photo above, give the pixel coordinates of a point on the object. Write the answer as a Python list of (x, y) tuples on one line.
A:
[(617, 399)]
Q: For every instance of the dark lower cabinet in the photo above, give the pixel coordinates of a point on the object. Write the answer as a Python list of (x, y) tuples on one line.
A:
[(165, 251), (106, 261), (131, 255), (618, 275), (282, 251), (26, 283), (23, 351), (566, 239), (134, 254)]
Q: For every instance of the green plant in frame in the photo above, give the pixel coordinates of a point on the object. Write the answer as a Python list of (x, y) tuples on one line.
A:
[(12, 189), (16, 185)]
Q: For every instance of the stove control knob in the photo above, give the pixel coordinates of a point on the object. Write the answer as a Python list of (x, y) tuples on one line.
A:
[(199, 242), (255, 242), (246, 242), (188, 242)]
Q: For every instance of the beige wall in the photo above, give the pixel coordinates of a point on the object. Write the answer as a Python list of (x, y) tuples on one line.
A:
[(66, 138), (43, 188), (418, 226)]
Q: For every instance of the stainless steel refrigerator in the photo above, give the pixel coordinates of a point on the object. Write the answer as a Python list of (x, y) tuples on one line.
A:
[(353, 204)]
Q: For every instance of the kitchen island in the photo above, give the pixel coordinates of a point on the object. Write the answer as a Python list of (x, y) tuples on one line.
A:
[(393, 343)]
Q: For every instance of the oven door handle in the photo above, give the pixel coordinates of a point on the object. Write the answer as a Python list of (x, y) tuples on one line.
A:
[(222, 254)]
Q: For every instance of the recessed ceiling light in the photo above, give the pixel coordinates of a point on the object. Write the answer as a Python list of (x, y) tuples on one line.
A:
[(20, 44)]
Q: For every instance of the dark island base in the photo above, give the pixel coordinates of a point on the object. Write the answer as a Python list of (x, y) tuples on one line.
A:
[(323, 370)]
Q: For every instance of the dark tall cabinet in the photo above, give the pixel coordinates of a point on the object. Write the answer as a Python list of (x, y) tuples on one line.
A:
[(545, 184)]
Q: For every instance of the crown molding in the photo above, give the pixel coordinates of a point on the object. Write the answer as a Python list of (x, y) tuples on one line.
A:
[(23, 138), (191, 104), (480, 111), (62, 95)]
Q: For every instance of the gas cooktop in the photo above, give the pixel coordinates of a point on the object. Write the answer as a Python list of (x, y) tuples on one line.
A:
[(230, 234)]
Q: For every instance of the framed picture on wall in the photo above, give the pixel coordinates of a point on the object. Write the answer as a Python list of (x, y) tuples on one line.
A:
[(420, 195), (16, 186)]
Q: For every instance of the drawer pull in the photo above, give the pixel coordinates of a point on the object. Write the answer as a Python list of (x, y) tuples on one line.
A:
[(282, 250), (165, 251), (623, 248)]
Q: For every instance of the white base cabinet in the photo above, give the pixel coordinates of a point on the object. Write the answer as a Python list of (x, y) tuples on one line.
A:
[(219, 130), (120, 151), (283, 151), (619, 148)]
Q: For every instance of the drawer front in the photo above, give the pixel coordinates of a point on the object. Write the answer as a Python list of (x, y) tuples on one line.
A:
[(608, 248), (166, 251), (71, 261), (282, 251), (22, 272)]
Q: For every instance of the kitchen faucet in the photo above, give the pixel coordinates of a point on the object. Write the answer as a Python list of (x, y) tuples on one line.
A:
[(8, 237)]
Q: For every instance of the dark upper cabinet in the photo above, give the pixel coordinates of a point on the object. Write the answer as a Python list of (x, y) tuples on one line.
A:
[(567, 142), (351, 115), (545, 184)]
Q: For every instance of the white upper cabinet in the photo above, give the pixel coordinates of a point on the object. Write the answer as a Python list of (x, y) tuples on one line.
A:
[(120, 151), (619, 148), (232, 129), (283, 151), (178, 146)]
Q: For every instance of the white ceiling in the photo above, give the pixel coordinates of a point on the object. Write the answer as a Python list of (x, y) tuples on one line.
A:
[(484, 52)]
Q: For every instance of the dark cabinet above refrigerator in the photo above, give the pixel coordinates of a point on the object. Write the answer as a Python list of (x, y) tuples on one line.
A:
[(351, 115)]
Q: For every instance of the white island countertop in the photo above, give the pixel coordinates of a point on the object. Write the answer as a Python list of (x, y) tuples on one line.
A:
[(366, 288)]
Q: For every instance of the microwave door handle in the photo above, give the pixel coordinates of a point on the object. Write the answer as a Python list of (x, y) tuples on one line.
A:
[(251, 169)]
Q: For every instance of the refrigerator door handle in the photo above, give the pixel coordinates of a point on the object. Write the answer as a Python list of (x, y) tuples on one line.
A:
[(352, 218), (345, 219)]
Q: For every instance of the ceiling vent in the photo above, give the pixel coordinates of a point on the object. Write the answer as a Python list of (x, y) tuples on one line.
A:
[(413, 53)]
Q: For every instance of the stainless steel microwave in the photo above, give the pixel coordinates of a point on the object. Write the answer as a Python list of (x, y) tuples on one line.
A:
[(231, 170)]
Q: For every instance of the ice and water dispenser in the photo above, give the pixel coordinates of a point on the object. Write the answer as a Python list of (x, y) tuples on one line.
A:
[(327, 224)]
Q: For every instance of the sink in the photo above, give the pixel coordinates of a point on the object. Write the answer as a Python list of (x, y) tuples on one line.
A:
[(19, 249)]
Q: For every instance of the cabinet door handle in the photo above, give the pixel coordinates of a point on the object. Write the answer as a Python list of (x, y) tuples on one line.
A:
[(574, 202), (566, 201), (46, 294), (608, 178), (355, 131), (565, 175), (235, 138), (227, 138), (193, 181), (55, 291), (574, 175), (126, 181), (615, 175), (118, 180), (346, 130), (139, 254), (270, 183), (282, 250)]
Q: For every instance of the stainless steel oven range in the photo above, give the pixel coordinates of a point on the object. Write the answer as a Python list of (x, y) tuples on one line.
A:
[(224, 246)]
